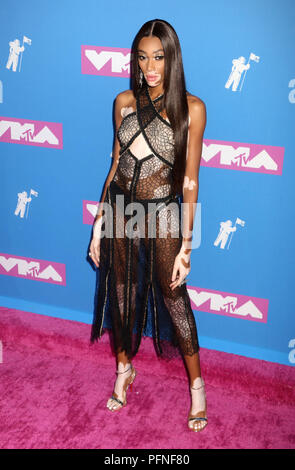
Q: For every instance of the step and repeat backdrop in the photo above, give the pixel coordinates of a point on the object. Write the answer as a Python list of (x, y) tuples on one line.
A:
[(62, 63)]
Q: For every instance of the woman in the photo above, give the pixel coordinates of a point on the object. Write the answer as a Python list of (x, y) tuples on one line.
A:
[(156, 159)]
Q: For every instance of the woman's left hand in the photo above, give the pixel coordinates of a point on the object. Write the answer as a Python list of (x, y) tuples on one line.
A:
[(181, 268)]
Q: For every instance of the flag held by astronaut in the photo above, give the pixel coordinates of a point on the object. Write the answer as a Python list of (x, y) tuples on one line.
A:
[(27, 40), (240, 222), (254, 57)]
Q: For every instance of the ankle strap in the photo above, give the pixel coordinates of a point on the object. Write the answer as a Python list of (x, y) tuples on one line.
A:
[(117, 372), (192, 388), (203, 384)]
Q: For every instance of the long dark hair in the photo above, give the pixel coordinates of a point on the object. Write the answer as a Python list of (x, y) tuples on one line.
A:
[(175, 98)]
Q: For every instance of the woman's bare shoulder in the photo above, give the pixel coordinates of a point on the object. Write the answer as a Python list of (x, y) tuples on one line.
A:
[(125, 98), (194, 101), (196, 108)]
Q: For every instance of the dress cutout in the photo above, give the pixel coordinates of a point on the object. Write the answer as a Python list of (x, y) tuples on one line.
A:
[(137, 254)]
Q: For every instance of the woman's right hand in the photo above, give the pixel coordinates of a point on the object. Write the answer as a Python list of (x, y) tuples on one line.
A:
[(95, 242), (94, 251)]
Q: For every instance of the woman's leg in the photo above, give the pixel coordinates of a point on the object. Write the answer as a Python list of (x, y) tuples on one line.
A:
[(122, 358), (193, 366), (124, 367), (178, 305), (198, 408), (123, 363)]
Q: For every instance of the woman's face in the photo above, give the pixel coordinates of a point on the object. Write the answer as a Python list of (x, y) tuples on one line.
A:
[(151, 60)]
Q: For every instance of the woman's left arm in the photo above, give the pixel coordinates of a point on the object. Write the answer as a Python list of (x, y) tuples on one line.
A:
[(198, 119)]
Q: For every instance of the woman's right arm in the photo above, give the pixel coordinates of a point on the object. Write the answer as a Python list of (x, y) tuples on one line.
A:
[(118, 119)]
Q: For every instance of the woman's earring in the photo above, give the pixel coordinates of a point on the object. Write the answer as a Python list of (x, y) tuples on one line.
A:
[(140, 78)]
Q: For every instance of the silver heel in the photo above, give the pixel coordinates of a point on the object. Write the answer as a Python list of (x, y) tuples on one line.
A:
[(196, 419), (128, 382)]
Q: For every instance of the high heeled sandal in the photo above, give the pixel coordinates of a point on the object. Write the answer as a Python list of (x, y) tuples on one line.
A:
[(128, 382), (195, 418)]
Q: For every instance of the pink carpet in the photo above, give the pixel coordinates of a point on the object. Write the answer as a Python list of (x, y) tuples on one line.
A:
[(55, 385)]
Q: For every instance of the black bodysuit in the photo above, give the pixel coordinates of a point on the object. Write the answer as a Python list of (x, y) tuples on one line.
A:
[(136, 260)]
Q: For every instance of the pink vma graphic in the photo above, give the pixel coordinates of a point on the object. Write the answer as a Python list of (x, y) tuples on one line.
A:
[(35, 269), (244, 157), (89, 211), (28, 132), (109, 61), (229, 305)]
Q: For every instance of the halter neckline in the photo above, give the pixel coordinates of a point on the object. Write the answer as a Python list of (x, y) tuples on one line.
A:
[(155, 99)]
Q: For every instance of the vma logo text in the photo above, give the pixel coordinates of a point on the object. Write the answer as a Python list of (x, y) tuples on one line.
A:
[(28, 268), (27, 132), (244, 157), (229, 305), (110, 61)]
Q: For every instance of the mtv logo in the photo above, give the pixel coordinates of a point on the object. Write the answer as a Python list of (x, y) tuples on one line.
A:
[(108, 61)]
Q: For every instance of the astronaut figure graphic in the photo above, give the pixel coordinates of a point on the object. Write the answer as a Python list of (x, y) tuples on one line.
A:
[(236, 72), (14, 52), (225, 229), (23, 199)]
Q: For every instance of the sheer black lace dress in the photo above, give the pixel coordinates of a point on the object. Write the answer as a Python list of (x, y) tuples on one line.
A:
[(142, 222)]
